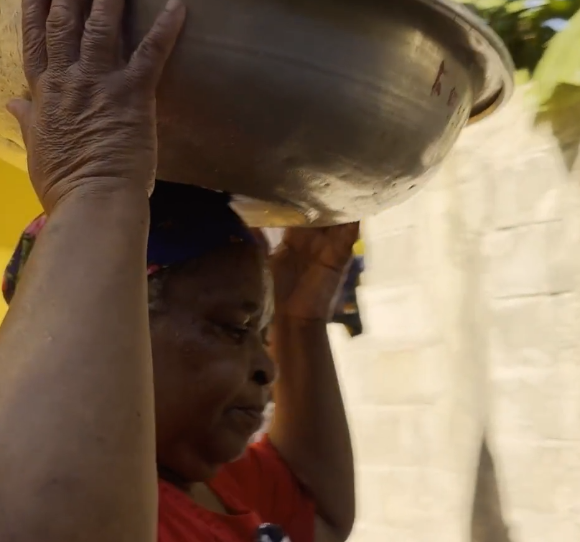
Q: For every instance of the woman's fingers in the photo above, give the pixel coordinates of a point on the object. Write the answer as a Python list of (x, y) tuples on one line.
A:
[(101, 43), (349, 233), (34, 15), (55, 31), (147, 63), (340, 242), (64, 30), (300, 239)]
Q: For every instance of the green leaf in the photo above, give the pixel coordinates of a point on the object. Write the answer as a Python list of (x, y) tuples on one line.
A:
[(526, 26), (521, 77), (560, 64)]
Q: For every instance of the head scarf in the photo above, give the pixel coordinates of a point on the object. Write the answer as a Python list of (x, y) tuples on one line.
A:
[(186, 222)]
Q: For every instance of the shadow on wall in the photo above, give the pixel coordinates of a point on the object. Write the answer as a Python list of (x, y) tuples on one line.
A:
[(487, 524)]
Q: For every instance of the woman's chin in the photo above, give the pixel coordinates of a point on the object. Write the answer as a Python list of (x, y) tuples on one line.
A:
[(234, 446), (199, 462), (231, 447)]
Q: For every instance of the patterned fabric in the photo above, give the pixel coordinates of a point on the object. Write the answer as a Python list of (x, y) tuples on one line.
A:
[(16, 264), (268, 532), (186, 222)]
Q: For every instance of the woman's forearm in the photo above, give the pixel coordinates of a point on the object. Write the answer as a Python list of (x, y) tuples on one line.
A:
[(76, 392), (310, 427)]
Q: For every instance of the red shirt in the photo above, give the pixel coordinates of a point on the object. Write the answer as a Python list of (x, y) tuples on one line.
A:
[(259, 488)]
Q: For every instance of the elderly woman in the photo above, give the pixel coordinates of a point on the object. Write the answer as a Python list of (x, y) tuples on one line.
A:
[(134, 355)]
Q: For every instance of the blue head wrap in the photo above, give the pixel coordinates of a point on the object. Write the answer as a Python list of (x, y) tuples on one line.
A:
[(186, 222)]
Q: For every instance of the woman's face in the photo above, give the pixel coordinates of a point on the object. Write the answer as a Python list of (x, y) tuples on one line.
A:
[(212, 372)]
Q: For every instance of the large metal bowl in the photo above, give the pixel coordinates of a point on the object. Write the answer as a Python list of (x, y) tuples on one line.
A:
[(322, 111), (312, 111)]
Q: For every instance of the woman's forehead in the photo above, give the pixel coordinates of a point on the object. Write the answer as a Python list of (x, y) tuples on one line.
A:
[(238, 279)]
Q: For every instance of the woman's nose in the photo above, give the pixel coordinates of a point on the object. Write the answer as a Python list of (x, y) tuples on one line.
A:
[(263, 368)]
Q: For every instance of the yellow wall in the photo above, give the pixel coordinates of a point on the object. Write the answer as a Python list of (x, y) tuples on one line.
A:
[(18, 206)]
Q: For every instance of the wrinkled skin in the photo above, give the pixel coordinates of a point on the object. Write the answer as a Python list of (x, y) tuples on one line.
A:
[(90, 122), (209, 356)]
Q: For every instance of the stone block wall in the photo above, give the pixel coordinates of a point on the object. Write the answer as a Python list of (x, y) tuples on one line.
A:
[(471, 305)]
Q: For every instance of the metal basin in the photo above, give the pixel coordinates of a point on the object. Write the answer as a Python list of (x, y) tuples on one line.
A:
[(316, 112), (321, 111)]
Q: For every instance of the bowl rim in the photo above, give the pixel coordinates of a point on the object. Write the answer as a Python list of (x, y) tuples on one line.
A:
[(495, 54)]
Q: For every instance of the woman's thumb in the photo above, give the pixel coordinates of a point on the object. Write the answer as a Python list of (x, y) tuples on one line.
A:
[(20, 109)]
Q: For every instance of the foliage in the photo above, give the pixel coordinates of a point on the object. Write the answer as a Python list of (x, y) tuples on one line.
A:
[(526, 26), (560, 65)]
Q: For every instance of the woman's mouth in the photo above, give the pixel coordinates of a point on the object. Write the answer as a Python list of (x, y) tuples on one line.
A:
[(249, 419)]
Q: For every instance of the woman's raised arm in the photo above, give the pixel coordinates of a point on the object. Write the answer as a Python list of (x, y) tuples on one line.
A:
[(77, 452)]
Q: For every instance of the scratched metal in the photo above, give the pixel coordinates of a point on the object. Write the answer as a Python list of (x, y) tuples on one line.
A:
[(320, 111)]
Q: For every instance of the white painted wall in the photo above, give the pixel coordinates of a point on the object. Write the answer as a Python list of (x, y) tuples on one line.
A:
[(471, 303)]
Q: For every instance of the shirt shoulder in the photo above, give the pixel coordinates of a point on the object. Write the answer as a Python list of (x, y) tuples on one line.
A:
[(262, 481)]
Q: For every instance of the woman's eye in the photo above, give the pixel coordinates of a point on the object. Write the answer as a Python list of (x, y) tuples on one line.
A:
[(238, 333)]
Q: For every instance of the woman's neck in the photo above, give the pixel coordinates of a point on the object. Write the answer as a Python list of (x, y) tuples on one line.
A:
[(205, 497), (171, 477), (199, 492)]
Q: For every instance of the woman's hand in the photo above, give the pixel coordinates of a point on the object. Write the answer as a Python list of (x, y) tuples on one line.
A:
[(309, 269), (90, 124)]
